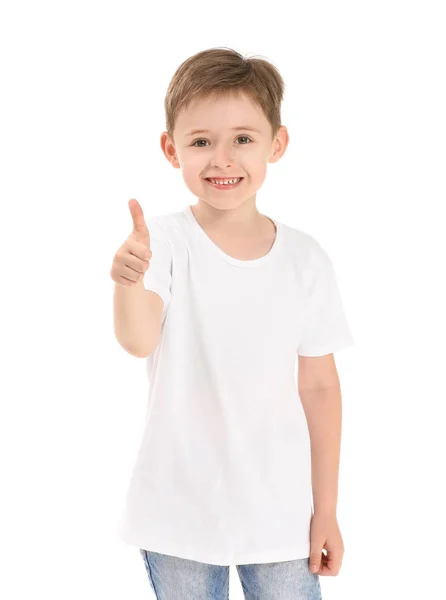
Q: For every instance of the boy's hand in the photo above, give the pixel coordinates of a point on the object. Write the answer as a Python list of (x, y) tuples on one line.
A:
[(132, 259), (324, 533)]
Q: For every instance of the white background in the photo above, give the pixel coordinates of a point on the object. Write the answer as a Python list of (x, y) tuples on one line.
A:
[(82, 92)]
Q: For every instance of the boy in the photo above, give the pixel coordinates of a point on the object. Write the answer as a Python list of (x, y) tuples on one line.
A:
[(233, 450)]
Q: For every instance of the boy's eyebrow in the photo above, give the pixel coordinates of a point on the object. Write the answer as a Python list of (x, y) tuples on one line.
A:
[(246, 128)]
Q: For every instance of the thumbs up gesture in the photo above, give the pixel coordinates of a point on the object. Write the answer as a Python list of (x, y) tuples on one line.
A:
[(132, 259)]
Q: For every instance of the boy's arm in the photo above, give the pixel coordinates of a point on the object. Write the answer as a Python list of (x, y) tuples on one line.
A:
[(320, 393), (137, 318)]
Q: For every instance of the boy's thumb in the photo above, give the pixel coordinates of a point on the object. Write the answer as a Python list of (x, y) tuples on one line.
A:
[(315, 560), (139, 223)]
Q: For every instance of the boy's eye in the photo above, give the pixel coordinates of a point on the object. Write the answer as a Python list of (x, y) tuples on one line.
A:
[(203, 140)]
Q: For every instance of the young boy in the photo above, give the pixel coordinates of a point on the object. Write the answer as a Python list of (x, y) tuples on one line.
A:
[(233, 451)]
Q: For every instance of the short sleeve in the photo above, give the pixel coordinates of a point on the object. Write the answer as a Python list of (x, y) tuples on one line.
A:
[(325, 328), (158, 277)]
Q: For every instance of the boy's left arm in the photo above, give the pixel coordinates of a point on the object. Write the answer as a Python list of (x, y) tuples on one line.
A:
[(320, 393)]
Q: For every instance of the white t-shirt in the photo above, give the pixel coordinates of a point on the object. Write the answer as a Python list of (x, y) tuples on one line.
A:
[(223, 471)]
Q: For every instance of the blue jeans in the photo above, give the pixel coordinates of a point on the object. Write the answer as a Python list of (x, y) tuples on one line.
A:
[(174, 578)]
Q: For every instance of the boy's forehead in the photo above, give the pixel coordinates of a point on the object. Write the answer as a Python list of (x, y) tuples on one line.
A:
[(213, 113)]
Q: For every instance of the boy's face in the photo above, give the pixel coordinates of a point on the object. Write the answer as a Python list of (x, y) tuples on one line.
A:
[(221, 151)]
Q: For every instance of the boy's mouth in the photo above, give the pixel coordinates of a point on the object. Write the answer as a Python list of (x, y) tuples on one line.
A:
[(223, 184)]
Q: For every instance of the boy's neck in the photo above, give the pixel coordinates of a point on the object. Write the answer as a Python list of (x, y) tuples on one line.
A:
[(244, 218)]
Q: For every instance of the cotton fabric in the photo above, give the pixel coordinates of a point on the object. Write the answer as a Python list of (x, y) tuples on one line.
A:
[(223, 471)]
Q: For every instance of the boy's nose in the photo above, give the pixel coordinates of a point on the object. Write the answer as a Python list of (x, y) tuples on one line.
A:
[(222, 158)]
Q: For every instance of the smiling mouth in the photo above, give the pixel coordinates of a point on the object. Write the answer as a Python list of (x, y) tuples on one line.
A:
[(234, 181)]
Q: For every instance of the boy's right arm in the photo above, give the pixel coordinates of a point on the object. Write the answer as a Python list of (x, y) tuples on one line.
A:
[(137, 318)]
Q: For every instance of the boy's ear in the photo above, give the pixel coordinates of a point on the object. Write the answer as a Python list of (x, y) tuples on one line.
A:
[(280, 144), (168, 148)]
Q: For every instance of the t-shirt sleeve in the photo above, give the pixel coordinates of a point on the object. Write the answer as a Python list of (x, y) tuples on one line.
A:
[(325, 328), (158, 277)]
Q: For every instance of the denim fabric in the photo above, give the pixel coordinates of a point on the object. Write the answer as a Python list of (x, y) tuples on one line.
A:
[(174, 578)]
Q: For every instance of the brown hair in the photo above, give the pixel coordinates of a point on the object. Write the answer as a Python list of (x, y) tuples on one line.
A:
[(221, 72)]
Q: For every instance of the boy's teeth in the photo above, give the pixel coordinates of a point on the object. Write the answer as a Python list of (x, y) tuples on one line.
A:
[(225, 182)]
